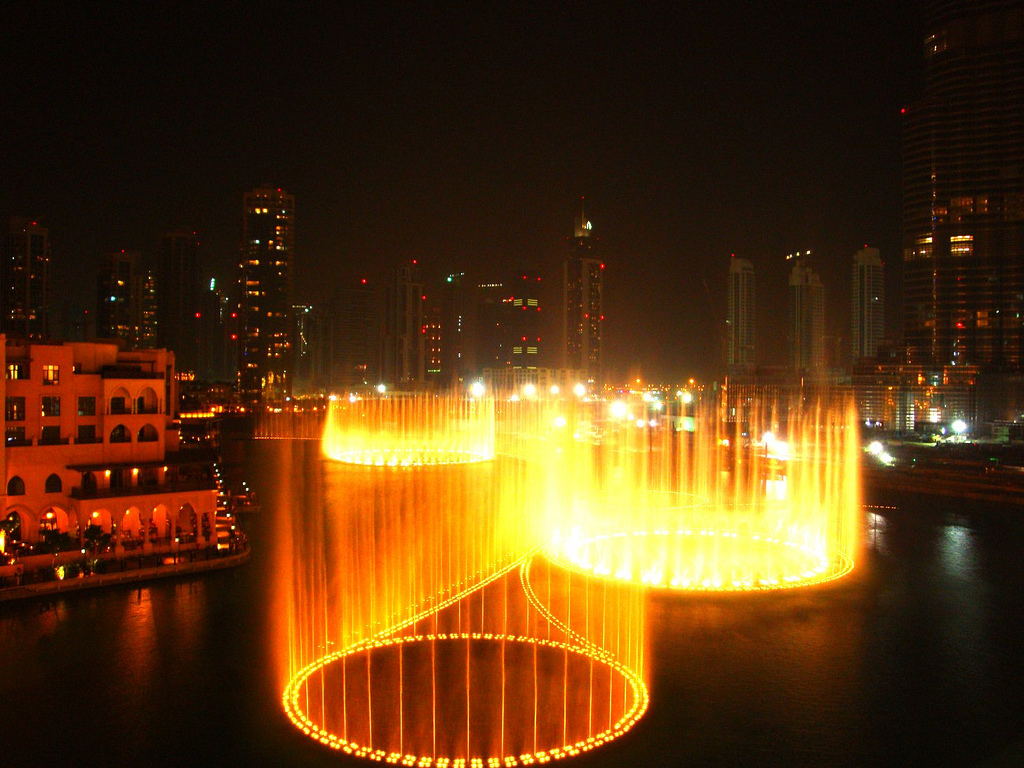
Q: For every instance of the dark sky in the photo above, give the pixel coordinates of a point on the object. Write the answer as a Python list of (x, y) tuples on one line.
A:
[(464, 137)]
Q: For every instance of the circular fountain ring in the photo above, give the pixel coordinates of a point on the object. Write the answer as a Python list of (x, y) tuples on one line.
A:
[(584, 658), (409, 457), (640, 557)]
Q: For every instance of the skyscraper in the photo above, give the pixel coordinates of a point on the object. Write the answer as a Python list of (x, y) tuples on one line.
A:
[(124, 301), (963, 190), (268, 253), (178, 298), (740, 319), (867, 304), (523, 324), (404, 334), (24, 292), (806, 320), (583, 305), (355, 336)]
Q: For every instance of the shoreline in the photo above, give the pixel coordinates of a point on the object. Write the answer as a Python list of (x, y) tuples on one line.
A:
[(100, 580)]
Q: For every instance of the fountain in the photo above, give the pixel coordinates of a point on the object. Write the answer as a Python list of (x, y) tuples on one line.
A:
[(471, 590)]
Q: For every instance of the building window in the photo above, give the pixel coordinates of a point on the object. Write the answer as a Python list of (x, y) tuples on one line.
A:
[(15, 486), (51, 406), (15, 436), (86, 433), (148, 434), (17, 371), (53, 484), (87, 406), (120, 434), (50, 435), (117, 405), (51, 374), (15, 408)]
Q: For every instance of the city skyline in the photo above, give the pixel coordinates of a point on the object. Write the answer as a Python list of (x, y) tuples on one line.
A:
[(467, 149)]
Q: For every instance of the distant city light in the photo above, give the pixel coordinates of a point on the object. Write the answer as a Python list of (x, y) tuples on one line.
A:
[(477, 389), (875, 448), (554, 389), (579, 390), (959, 426), (382, 388), (529, 390), (618, 409)]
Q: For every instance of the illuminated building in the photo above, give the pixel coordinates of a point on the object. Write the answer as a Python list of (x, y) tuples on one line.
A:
[(523, 311), (311, 350), (963, 190), (457, 325), (867, 304), (91, 439), (433, 344), (24, 296), (126, 301), (178, 298), (582, 302), (806, 320), (268, 253), (740, 318), (404, 333)]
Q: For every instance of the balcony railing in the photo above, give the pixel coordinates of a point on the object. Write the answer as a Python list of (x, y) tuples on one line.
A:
[(18, 442), (54, 440), (88, 440), (182, 486)]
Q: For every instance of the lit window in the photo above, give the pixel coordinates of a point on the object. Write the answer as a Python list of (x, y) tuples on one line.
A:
[(51, 374)]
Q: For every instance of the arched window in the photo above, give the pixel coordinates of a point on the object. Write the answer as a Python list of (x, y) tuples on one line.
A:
[(15, 486), (148, 434), (88, 482), (53, 484), (120, 434)]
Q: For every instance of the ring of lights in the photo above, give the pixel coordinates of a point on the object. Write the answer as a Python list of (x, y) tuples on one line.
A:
[(409, 457), (294, 693), (818, 569)]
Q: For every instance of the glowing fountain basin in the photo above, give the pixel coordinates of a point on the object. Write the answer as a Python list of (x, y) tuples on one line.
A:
[(699, 560), (409, 457), (404, 700)]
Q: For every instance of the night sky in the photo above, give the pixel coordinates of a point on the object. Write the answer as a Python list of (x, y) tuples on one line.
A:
[(465, 138)]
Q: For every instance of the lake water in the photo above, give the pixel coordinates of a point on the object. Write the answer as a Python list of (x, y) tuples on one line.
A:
[(918, 658)]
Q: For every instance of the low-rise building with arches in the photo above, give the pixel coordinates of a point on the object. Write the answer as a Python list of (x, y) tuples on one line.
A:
[(91, 439)]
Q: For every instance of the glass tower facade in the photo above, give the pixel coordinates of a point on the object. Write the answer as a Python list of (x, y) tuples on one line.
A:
[(963, 190)]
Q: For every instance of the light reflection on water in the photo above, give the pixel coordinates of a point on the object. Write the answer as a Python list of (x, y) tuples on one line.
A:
[(918, 660)]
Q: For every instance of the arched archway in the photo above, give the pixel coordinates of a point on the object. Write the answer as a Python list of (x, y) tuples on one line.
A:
[(16, 524), (120, 434), (120, 401), (54, 484), (88, 482), (100, 518), (15, 486), (148, 434), (131, 525), (188, 523), (53, 519), (159, 524), (146, 401)]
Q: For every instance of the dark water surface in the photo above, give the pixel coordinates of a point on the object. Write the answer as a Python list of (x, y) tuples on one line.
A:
[(917, 659)]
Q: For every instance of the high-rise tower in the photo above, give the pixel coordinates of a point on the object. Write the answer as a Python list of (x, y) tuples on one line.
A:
[(122, 300), (582, 302), (963, 190), (178, 299), (268, 253), (24, 290), (740, 319), (806, 320), (404, 333), (867, 304)]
